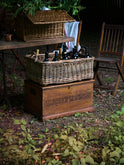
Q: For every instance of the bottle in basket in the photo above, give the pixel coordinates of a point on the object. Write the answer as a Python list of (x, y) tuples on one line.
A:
[(64, 53), (60, 53), (75, 53), (46, 56), (86, 52), (37, 55), (56, 56)]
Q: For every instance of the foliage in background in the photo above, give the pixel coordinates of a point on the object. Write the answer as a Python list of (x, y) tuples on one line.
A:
[(31, 6), (72, 145)]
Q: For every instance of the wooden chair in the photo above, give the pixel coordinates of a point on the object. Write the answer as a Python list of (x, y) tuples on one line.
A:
[(79, 33), (111, 51)]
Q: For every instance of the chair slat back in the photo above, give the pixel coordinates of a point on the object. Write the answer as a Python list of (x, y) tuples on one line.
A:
[(79, 33), (112, 38)]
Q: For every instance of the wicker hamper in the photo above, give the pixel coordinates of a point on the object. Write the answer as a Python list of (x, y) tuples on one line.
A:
[(59, 72), (43, 25)]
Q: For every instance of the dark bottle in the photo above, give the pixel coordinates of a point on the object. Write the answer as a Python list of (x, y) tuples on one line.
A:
[(75, 53), (64, 53), (46, 56), (86, 52), (56, 56)]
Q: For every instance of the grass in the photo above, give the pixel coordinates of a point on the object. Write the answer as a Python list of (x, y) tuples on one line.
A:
[(95, 124), (42, 142)]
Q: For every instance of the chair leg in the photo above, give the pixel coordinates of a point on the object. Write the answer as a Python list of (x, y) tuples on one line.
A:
[(120, 74), (116, 86), (96, 76), (120, 71)]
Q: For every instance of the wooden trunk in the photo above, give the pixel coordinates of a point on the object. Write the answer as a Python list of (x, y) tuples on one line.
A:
[(59, 100)]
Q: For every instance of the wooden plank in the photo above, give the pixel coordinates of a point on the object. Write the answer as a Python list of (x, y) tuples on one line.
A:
[(4, 45), (111, 53), (59, 100), (107, 60)]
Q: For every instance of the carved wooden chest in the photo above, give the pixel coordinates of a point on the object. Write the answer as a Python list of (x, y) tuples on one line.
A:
[(59, 100)]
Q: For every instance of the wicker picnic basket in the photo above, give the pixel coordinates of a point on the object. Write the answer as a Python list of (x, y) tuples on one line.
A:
[(44, 24), (59, 72)]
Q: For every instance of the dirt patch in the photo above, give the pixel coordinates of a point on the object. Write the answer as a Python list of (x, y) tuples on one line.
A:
[(104, 104)]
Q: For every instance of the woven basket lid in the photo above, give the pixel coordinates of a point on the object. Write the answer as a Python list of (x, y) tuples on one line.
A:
[(50, 16)]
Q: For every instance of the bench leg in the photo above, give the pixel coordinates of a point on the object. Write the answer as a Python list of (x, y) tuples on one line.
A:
[(17, 57), (4, 98)]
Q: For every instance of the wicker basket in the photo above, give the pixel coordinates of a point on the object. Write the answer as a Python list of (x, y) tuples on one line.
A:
[(43, 25), (59, 72)]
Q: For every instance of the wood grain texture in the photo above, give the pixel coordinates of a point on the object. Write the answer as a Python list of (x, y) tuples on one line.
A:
[(21, 44), (59, 100)]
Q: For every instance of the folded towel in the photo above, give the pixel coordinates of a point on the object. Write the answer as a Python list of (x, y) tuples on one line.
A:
[(71, 30)]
